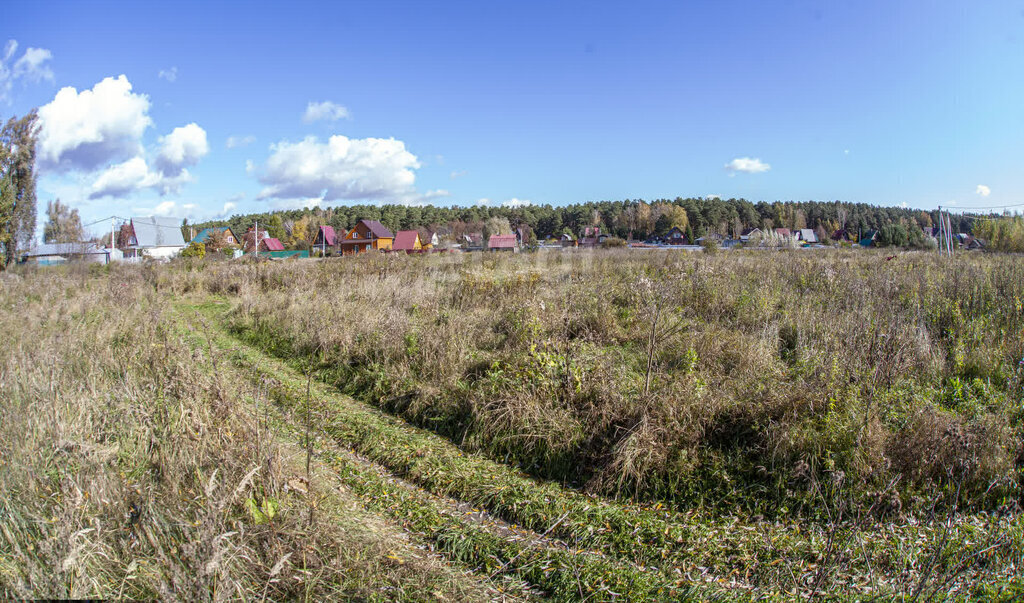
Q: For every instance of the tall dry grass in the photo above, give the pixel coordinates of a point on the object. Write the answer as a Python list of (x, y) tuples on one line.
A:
[(772, 374), (130, 467)]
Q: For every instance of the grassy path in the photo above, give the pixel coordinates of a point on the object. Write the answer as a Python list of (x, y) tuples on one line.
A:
[(465, 533)]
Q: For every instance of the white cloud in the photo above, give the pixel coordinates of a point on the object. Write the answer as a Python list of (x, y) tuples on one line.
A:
[(124, 178), (169, 209), (228, 208), (710, 197), (904, 205), (341, 168), (513, 202), (171, 75), (86, 130), (983, 190), (485, 202), (747, 166), (457, 174), (183, 147), (31, 66), (234, 142), (121, 179), (325, 110)]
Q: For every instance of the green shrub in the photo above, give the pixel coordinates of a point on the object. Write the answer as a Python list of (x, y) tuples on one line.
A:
[(194, 250)]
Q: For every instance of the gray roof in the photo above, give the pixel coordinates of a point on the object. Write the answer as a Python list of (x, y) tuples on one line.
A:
[(64, 249), (808, 235), (155, 231)]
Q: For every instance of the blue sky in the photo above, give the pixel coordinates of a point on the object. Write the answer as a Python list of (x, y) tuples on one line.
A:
[(249, 107)]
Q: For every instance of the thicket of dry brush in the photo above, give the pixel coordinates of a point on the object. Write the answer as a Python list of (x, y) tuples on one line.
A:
[(768, 380)]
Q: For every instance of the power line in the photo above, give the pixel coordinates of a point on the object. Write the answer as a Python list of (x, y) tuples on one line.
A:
[(989, 208)]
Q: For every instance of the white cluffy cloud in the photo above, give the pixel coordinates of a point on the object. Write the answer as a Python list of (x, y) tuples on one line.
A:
[(183, 147), (31, 66), (983, 190), (98, 134), (513, 202), (342, 168), (89, 129), (122, 179), (325, 110), (168, 74), (747, 166)]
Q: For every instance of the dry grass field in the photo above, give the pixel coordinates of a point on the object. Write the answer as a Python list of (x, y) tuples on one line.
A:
[(599, 425)]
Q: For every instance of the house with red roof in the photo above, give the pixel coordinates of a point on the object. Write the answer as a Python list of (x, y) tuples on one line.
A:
[(367, 235), (325, 237), (407, 241), (502, 243), (271, 244)]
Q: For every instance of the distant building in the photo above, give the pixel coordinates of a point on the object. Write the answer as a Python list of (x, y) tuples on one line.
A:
[(50, 254), (271, 244), (153, 237), (676, 236), (407, 241), (325, 237), (204, 236), (868, 239), (473, 240), (590, 236), (502, 243), (807, 235), (366, 236)]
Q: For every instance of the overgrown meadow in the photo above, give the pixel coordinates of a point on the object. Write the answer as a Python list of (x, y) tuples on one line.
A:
[(763, 424), (758, 382)]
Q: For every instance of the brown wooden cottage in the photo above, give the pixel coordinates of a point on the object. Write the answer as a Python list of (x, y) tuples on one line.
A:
[(366, 236)]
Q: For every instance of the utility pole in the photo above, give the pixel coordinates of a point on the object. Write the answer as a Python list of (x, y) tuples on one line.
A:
[(110, 257), (942, 232), (949, 232), (255, 238)]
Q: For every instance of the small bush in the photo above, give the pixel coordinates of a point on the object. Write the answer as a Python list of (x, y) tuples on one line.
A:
[(194, 250)]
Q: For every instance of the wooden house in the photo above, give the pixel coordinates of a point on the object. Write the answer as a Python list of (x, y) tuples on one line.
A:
[(590, 236), (407, 241), (502, 243), (807, 235), (367, 235), (228, 237), (749, 233), (271, 244), (325, 237), (676, 236)]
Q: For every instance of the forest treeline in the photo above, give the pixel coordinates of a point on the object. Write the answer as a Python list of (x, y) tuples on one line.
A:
[(628, 219)]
